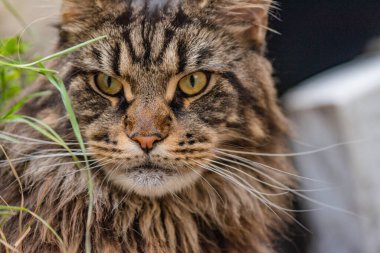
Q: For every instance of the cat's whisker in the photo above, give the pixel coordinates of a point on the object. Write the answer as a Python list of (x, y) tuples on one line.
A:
[(67, 163), (244, 180), (295, 192), (278, 186), (26, 174), (310, 152), (27, 158), (245, 173), (251, 162), (266, 202), (108, 175), (125, 197), (233, 178), (205, 180), (286, 190), (86, 169), (250, 190), (4, 135), (45, 152)]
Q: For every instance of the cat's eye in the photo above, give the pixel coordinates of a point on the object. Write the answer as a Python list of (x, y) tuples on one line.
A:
[(194, 83), (108, 85)]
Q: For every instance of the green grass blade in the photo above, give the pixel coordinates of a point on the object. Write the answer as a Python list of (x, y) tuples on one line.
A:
[(74, 123), (48, 132), (45, 223), (22, 101), (29, 66), (63, 52), (45, 130), (20, 66)]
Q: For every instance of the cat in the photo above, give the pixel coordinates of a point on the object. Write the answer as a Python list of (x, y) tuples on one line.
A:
[(178, 111)]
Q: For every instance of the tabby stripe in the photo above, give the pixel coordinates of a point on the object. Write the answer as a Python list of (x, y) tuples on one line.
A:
[(182, 56), (131, 50), (181, 19), (145, 37), (149, 36), (97, 55), (126, 17), (116, 60), (203, 55), (244, 94), (169, 34)]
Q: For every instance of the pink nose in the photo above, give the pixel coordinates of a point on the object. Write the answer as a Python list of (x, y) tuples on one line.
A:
[(146, 142)]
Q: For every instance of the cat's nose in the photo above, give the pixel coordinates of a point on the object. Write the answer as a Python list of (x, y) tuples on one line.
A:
[(146, 142)]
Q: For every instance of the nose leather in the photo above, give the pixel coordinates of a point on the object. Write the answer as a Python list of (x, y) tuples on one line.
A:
[(146, 142)]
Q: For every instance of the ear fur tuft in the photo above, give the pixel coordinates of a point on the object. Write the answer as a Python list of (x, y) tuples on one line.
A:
[(248, 19), (72, 10)]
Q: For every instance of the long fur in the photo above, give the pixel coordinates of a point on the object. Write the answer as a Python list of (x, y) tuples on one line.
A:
[(237, 204)]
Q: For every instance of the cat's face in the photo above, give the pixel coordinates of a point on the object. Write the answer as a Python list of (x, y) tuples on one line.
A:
[(163, 92)]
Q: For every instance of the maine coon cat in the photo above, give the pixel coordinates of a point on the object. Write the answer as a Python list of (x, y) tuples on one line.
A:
[(177, 107)]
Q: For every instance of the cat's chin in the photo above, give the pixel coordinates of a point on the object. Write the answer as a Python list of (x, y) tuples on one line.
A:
[(154, 182)]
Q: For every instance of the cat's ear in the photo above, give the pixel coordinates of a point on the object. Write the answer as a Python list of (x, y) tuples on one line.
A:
[(76, 10), (247, 19)]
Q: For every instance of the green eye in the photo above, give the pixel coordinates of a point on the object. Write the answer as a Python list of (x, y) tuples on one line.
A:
[(194, 83), (108, 85)]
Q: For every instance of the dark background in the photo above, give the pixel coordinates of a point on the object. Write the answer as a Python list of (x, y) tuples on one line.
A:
[(319, 34)]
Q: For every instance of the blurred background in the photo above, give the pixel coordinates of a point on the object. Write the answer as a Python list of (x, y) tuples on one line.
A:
[(320, 34), (327, 67)]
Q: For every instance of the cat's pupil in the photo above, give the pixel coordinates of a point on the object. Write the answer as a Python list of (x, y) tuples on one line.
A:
[(108, 81), (192, 81)]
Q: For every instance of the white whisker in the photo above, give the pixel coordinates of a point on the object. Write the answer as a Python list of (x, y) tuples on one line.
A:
[(204, 179), (310, 152), (295, 192), (267, 166), (266, 202)]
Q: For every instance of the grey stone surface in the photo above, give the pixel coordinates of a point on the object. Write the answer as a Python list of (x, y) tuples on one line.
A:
[(340, 109)]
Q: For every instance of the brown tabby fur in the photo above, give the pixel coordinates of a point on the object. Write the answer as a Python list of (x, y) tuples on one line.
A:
[(151, 44)]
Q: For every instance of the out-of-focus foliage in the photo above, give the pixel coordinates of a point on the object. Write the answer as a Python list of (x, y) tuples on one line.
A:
[(12, 80)]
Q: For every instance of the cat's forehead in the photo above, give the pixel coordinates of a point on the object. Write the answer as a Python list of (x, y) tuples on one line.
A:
[(149, 47), (143, 45)]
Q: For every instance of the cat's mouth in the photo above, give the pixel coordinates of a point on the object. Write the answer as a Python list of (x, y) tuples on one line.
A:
[(149, 167), (152, 179)]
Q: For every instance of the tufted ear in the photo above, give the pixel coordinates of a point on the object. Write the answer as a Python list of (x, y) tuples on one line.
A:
[(248, 19), (76, 10)]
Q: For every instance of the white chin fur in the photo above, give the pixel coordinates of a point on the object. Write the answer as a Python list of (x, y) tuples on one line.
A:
[(154, 184)]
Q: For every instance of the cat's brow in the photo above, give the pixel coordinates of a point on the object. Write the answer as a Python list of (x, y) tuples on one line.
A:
[(116, 59)]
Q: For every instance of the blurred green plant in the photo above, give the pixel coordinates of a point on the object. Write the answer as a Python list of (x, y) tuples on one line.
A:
[(12, 80), (14, 77)]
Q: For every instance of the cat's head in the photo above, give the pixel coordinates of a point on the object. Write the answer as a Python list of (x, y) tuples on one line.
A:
[(172, 82)]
